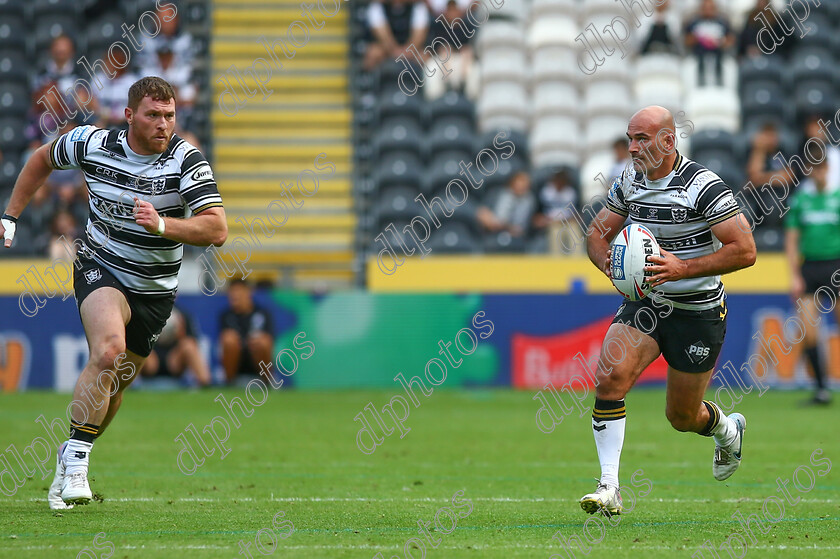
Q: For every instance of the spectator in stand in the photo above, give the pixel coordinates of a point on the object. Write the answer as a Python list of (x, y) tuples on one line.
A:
[(763, 164), (60, 69), (707, 36), (812, 129), (114, 92), (621, 152), (461, 59), (171, 37), (176, 351), (394, 26), (513, 209), (755, 22), (179, 76), (63, 231), (557, 202), (37, 220), (247, 333), (661, 33)]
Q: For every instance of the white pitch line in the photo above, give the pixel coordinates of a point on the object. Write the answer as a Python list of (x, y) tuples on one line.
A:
[(419, 500)]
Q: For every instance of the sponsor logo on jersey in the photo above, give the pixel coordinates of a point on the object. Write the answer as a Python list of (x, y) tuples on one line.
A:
[(203, 173), (678, 214), (80, 133)]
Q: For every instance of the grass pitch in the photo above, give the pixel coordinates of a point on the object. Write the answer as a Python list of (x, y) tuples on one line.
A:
[(297, 454)]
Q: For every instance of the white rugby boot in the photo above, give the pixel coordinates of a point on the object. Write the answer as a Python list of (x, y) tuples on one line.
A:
[(606, 500), (54, 494), (728, 458)]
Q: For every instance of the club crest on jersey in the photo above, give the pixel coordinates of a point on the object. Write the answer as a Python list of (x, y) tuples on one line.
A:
[(158, 185), (93, 275), (678, 214)]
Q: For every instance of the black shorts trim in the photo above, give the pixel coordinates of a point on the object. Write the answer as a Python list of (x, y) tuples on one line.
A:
[(690, 340), (149, 313), (817, 274)]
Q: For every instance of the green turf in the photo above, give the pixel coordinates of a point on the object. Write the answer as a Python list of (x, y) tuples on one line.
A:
[(297, 454)]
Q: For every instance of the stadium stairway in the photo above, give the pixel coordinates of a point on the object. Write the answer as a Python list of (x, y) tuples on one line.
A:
[(270, 141)]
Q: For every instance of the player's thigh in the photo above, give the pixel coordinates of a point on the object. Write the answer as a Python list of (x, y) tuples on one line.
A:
[(105, 312), (684, 393), (625, 354)]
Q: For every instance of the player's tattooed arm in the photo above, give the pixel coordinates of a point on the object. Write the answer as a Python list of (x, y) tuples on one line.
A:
[(598, 239), (738, 251), (32, 177)]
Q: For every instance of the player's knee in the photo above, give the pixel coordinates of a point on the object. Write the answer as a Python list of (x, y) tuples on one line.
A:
[(680, 420), (106, 353)]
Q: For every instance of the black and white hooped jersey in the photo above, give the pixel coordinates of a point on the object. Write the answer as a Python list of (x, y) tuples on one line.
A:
[(680, 210), (175, 181)]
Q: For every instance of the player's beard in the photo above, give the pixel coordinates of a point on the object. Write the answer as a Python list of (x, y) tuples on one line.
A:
[(159, 146)]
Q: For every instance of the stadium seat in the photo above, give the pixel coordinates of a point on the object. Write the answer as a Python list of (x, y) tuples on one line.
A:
[(453, 238), (768, 68), (810, 65), (713, 107), (13, 67), (102, 33), (14, 98), (555, 98), (9, 170), (614, 69), (503, 64), (690, 77), (403, 135), (591, 9), (559, 63), (442, 170), (555, 31), (557, 132), (397, 103), (601, 131), (396, 203), (769, 238), (502, 105), (608, 99), (46, 8), (450, 104), (512, 10), (11, 9), (814, 98), (504, 243), (820, 35), (397, 174), (499, 34), (599, 163), (518, 138), (450, 134), (659, 91), (765, 104), (712, 140), (548, 8), (651, 66), (51, 26), (12, 32), (12, 136)]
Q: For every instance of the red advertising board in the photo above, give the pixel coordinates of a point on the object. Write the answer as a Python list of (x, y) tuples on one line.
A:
[(538, 360)]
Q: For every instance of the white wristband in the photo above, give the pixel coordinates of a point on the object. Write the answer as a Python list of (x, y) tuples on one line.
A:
[(161, 226)]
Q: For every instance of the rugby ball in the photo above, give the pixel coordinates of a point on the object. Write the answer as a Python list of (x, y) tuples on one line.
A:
[(630, 250)]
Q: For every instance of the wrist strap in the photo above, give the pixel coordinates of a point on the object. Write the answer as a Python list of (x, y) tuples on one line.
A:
[(10, 218), (161, 226)]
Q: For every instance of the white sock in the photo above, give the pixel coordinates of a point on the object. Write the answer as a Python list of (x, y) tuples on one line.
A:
[(608, 441), (76, 456), (726, 430)]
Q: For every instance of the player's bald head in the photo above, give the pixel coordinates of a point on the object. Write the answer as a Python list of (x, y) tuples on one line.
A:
[(654, 118), (653, 140)]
